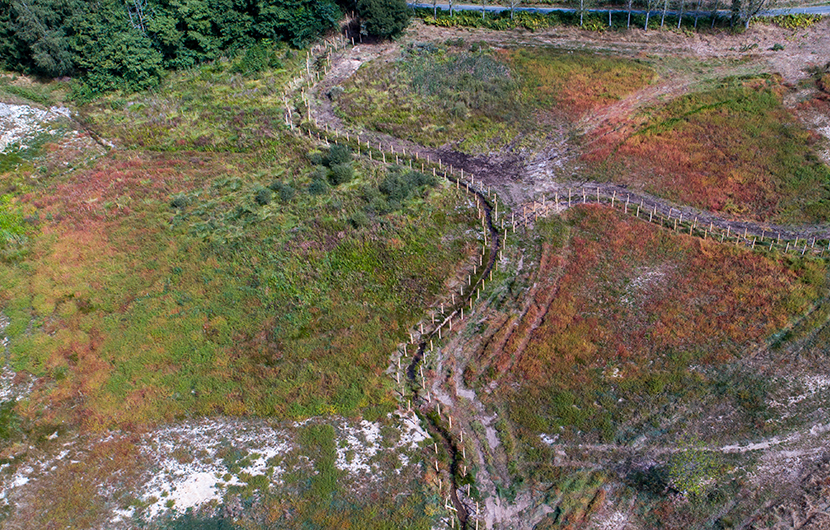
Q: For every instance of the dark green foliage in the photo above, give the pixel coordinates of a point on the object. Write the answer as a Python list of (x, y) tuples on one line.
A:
[(257, 58), (263, 196), (399, 185), (113, 44), (38, 34), (315, 157), (318, 186), (340, 174), (384, 18), (359, 219), (9, 420), (113, 53), (653, 480), (179, 201), (284, 191), (188, 521), (338, 154), (297, 22)]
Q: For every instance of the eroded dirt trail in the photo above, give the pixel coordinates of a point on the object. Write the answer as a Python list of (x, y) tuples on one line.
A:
[(525, 182)]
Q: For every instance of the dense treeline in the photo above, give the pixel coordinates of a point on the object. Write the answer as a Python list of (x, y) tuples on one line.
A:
[(128, 43)]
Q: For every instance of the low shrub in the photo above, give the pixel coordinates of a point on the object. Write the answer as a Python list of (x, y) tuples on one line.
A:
[(262, 196), (337, 155), (318, 186), (341, 174), (399, 186), (284, 191)]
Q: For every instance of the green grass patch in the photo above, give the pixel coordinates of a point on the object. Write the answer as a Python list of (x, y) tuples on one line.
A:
[(573, 83), (221, 106), (436, 95), (482, 99)]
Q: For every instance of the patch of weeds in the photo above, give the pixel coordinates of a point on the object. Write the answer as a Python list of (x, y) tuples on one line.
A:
[(572, 83), (435, 95), (14, 233)]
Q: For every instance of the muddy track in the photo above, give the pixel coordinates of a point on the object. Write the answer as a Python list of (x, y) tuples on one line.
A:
[(493, 243), (411, 372)]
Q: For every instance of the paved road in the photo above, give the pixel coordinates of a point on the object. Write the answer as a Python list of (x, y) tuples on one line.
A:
[(813, 10)]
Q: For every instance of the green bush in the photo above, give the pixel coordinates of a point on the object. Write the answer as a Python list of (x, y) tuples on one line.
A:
[(338, 154), (318, 186), (398, 186), (383, 18), (179, 201), (257, 58), (284, 191), (340, 174), (262, 196), (315, 157), (359, 219)]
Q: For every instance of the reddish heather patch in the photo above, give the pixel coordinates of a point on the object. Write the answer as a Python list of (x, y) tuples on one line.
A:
[(630, 294), (114, 183), (735, 149)]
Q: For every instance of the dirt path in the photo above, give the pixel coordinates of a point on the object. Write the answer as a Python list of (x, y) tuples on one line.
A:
[(556, 200), (521, 180), (528, 183)]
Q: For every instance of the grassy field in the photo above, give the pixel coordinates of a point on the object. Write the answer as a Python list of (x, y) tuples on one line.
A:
[(213, 265), (480, 99), (571, 83), (636, 325), (162, 282), (733, 148)]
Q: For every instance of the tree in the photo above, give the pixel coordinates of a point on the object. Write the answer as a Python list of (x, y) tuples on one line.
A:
[(697, 11), (743, 11), (384, 18), (298, 22), (513, 5), (44, 28), (112, 52), (650, 6), (582, 7)]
